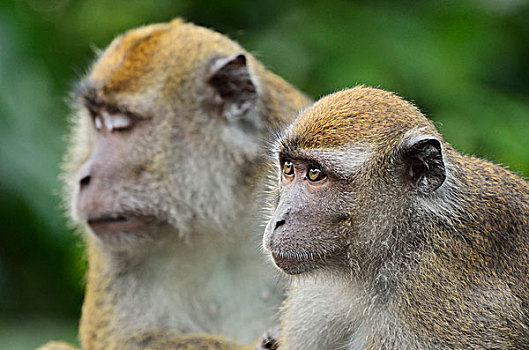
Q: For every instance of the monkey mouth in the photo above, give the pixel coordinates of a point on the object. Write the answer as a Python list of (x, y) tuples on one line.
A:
[(122, 222), (294, 263)]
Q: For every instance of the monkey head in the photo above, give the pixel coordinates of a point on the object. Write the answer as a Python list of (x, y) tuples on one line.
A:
[(352, 167), (167, 134)]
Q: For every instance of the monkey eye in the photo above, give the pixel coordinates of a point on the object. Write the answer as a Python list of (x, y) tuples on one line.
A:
[(315, 174), (112, 122), (288, 168)]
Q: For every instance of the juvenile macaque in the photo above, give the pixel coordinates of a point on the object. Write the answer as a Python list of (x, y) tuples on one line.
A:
[(393, 239)]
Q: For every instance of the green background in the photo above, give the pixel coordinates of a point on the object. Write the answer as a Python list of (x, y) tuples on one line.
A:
[(464, 63)]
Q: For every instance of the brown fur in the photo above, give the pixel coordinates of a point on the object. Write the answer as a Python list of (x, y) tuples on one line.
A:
[(176, 165), (350, 118), (447, 269)]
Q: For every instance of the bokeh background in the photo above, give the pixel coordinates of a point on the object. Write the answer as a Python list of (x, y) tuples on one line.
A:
[(465, 63)]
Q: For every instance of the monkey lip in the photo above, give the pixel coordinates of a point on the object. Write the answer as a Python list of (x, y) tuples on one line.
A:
[(295, 263), (119, 222)]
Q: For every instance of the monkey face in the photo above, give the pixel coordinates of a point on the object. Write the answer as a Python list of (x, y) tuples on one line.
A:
[(350, 173), (165, 143), (306, 230), (108, 197)]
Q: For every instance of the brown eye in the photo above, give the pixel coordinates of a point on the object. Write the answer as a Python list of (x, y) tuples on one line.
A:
[(288, 168), (315, 174)]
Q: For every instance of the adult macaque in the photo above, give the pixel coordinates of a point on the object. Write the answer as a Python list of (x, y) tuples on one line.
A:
[(163, 169)]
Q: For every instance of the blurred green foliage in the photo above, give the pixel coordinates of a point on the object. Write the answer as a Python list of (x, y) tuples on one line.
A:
[(464, 63)]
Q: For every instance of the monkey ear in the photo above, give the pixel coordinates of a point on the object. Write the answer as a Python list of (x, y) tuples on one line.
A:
[(425, 169), (235, 91)]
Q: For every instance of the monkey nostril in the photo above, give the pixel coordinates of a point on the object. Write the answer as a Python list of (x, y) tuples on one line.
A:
[(85, 181), (279, 223)]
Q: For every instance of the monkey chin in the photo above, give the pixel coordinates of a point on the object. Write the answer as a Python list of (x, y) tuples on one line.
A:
[(295, 263)]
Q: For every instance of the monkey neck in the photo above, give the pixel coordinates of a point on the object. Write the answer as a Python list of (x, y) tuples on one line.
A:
[(349, 308), (182, 286), (341, 316)]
